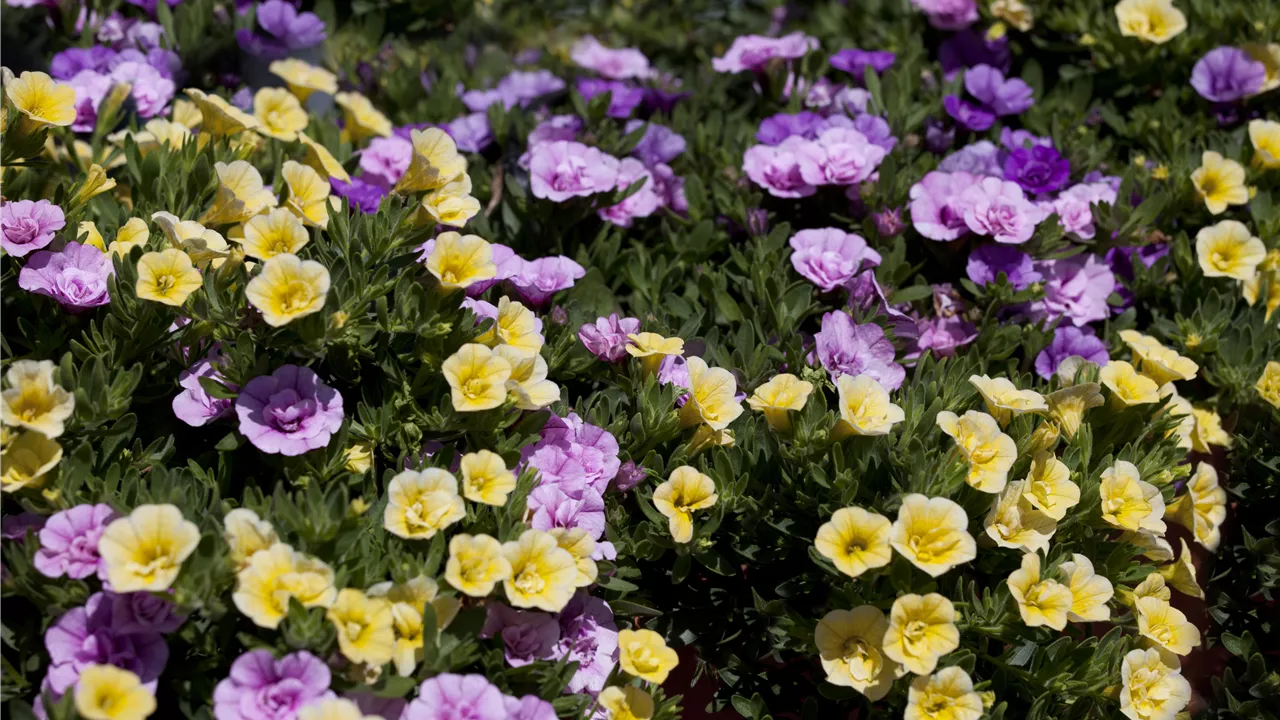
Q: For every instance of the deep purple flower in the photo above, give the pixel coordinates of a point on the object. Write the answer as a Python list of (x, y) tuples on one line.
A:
[(606, 338), (555, 506), (830, 257), (281, 30), (457, 697), (938, 135), (86, 636), (69, 542), (856, 61), (471, 132), (1004, 96), (659, 144), (1121, 259), (972, 116), (529, 707), (753, 52), (289, 411), (1076, 288), (1068, 341), (937, 211), (91, 88), (613, 63), (998, 209), (194, 405), (15, 527), (76, 277), (527, 635), (540, 279), (969, 48), (844, 348), (670, 187), (143, 612), (642, 203), (623, 97), (773, 130), (778, 169), (1227, 74), (562, 169), (629, 475), (589, 637), (363, 195), (387, 708), (260, 687), (978, 158), (1037, 169), (68, 63), (988, 261), (949, 14)]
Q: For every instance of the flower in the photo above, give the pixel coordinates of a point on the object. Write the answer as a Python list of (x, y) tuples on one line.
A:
[(486, 479), (606, 338), (712, 396), (652, 348), (753, 52), (220, 118), (1128, 502), (362, 120), (624, 98), (937, 211), (542, 573), (1004, 400), (528, 382), (1127, 386), (34, 400), (778, 169), (454, 697), (260, 687), (1048, 486), (364, 626), (1208, 431), (274, 576), (626, 703), (96, 634), (451, 205), (1181, 573), (204, 246), (241, 194), (618, 64), (26, 460), (987, 262), (458, 261), (855, 540), (642, 203), (279, 113), (921, 630), (1268, 385), (582, 547), (781, 395), (69, 542), (565, 169), (1041, 602), (839, 156), (408, 602), (470, 132), (477, 378), (849, 349), (281, 30), (476, 564), (685, 491), (308, 193), (865, 408), (145, 550), (1150, 689), (322, 161), (278, 232), (999, 209), (435, 162), (855, 61), (1070, 341), (1228, 249), (539, 279), (1265, 137), (421, 503), (849, 646), (830, 257), (1037, 169), (1220, 181), (106, 692), (303, 78), (26, 226), (1076, 288), (659, 144), (134, 233), (245, 534), (947, 695), (330, 708), (288, 288), (289, 411), (1165, 625), (1157, 361), (1227, 74), (1153, 21), (932, 533), (42, 101), (1001, 95), (1074, 207), (643, 654), (1014, 522), (989, 452), (1089, 592)]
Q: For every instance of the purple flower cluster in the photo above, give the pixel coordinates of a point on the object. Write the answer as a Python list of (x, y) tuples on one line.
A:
[(575, 462), (754, 52), (797, 166), (1227, 74), (606, 338), (624, 98), (612, 63), (134, 57), (281, 30), (519, 88), (76, 276), (194, 405), (1075, 288), (845, 348), (583, 632), (472, 697), (995, 95), (289, 411), (945, 206), (260, 687), (829, 257), (69, 542)]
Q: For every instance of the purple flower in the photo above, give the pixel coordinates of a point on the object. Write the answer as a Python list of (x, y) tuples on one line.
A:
[(86, 636), (589, 637), (642, 203), (1227, 74), (555, 506), (27, 226), (68, 63), (540, 279), (457, 697), (997, 208), (830, 257), (470, 132), (143, 612), (606, 338), (888, 222), (151, 92), (979, 158), (523, 87), (848, 349), (938, 135), (69, 542), (1003, 96), (563, 169), (623, 97), (509, 265), (1037, 169), (363, 195), (969, 48), (973, 117), (289, 411), (670, 187), (840, 156), (529, 707), (616, 64), (1121, 258), (660, 144), (629, 475), (1075, 288), (753, 52), (944, 335), (936, 209), (773, 130), (556, 127), (778, 169), (15, 527), (1074, 207), (282, 30), (572, 451), (987, 262), (876, 129), (385, 160), (91, 87), (855, 61), (260, 687), (527, 635), (949, 14), (1068, 341), (194, 405), (243, 99), (76, 277)]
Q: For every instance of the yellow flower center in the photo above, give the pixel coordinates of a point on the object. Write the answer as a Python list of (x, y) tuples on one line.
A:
[(644, 659), (353, 628), (294, 296), (915, 631), (530, 582), (475, 387), (165, 284), (1209, 185), (863, 660)]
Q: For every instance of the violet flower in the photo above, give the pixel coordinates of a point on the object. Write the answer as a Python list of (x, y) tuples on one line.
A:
[(289, 411), (623, 97), (281, 30), (773, 130), (944, 335), (972, 116), (606, 338), (830, 257), (988, 261), (69, 542), (978, 158), (563, 169), (1068, 341), (839, 156), (629, 475), (1227, 74), (66, 64), (539, 279), (26, 226), (613, 63), (529, 707), (949, 14), (509, 265), (194, 405), (856, 61), (594, 449), (937, 211), (778, 169), (556, 506), (527, 635), (86, 636), (969, 48), (642, 203), (384, 160), (753, 52), (998, 209), (260, 687), (363, 195), (76, 276), (144, 612), (1075, 288), (1037, 169), (659, 144), (844, 348), (457, 697), (1074, 207), (1004, 96), (471, 132)]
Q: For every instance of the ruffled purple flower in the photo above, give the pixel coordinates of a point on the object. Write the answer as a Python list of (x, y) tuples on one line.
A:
[(845, 348), (1037, 169), (876, 130), (539, 279), (76, 276), (91, 88), (855, 61), (606, 338), (1074, 207), (987, 262), (589, 637), (1068, 341), (471, 132), (660, 144), (260, 687), (949, 14), (457, 697), (69, 542), (979, 158), (944, 335), (87, 635), (281, 30), (593, 450), (289, 411), (613, 63), (563, 169), (773, 130), (840, 156), (527, 635), (143, 612), (194, 405), (68, 63), (1075, 288), (830, 257), (385, 160), (937, 211), (151, 92), (559, 506), (642, 203), (623, 97), (753, 52), (529, 707), (971, 116), (363, 195), (629, 475), (1227, 74), (998, 209), (387, 708), (778, 169), (1004, 96)]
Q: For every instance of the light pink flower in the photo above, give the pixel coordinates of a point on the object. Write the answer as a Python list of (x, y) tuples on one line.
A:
[(999, 209), (936, 209)]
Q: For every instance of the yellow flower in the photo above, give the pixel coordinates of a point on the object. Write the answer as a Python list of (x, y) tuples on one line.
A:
[(778, 397), (106, 692), (41, 100), (219, 117), (543, 574), (1203, 508), (1127, 386), (644, 654), (528, 381), (684, 492), (948, 695), (435, 162), (34, 400), (330, 708), (477, 378), (204, 246), (1014, 522), (1266, 278), (1228, 249), (132, 234), (1157, 361), (1265, 136), (366, 633), (1128, 502), (187, 114), (278, 232), (922, 628), (26, 460), (279, 113), (1165, 625), (1090, 592), (580, 545), (322, 161), (711, 396), (1269, 55), (865, 408), (1181, 574), (516, 326), (95, 183), (1220, 181), (87, 234), (1013, 12), (1049, 488), (407, 603), (288, 288), (855, 540), (626, 703), (1004, 400), (421, 503), (933, 534), (1180, 409), (1268, 385), (303, 78), (1152, 586), (145, 550), (308, 193), (1153, 21), (989, 452), (159, 131), (476, 564), (458, 261), (1068, 406), (359, 457), (246, 534), (486, 479), (849, 646), (1040, 602), (362, 119), (704, 438), (241, 194), (273, 576), (1208, 431), (450, 204), (167, 277), (1150, 688), (651, 348)]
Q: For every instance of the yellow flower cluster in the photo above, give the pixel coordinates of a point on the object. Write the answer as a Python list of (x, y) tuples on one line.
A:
[(40, 407)]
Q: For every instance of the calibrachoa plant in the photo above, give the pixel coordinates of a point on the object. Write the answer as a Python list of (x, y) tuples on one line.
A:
[(493, 361)]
